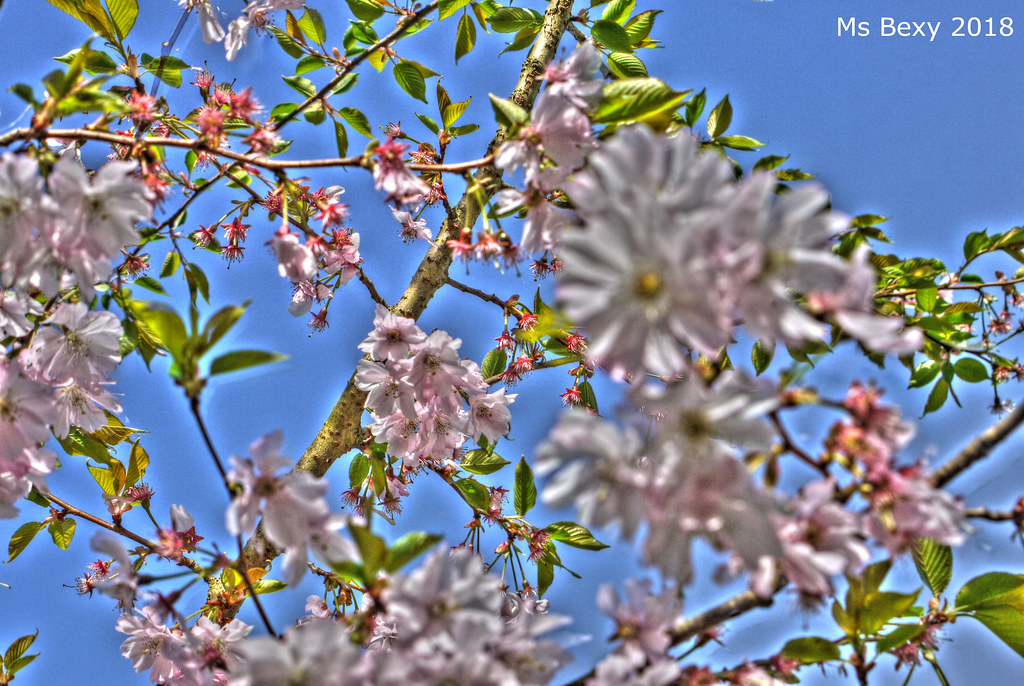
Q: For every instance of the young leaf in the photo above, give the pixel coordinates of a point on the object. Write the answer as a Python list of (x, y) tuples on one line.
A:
[(625, 65), (408, 548), (453, 112), (124, 14), (720, 118), (372, 549), (612, 36), (898, 637), (465, 37), (365, 10), (475, 493), (810, 650), (970, 370), (14, 656), (479, 461), (312, 25), (62, 531), (494, 363), (411, 80), (137, 463), (242, 359), (357, 120), (447, 8), (340, 138), (512, 19), (21, 538), (618, 11), (525, 490), (507, 113), (574, 534), (639, 27), (996, 600)]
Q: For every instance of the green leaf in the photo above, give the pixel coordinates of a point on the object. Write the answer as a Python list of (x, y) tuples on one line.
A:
[(898, 637), (618, 10), (357, 120), (301, 84), (21, 538), (95, 62), (77, 443), (150, 284), (573, 534), (457, 131), (882, 606), (89, 12), (762, 355), (926, 299), (106, 479), (865, 220), (291, 47), (197, 282), (221, 322), (612, 36), (970, 370), (625, 65), (137, 463), (769, 162), (447, 8), (740, 142), (366, 10), (475, 493), (411, 80), (479, 461), (545, 576), (372, 550), (522, 40), (635, 99), (494, 363), (171, 263), (639, 27), (720, 118), (242, 359), (17, 649), (312, 24), (587, 395), (996, 600), (62, 531), (358, 470), (507, 113), (694, 108), (937, 398), (309, 63), (512, 19), (465, 37), (408, 548), (340, 138), (453, 112), (810, 650), (124, 14), (525, 490)]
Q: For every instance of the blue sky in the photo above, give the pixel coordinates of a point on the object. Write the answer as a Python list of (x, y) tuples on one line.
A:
[(927, 132)]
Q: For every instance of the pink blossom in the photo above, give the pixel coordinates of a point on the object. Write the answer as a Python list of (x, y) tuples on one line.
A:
[(80, 345), (392, 176), (393, 337), (294, 261)]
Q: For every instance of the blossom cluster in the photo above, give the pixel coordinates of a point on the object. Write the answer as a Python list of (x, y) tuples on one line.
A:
[(675, 253), (681, 478), (295, 514), (418, 388), (57, 372)]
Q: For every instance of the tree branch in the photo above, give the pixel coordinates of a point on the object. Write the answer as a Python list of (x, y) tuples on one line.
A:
[(342, 431), (979, 448)]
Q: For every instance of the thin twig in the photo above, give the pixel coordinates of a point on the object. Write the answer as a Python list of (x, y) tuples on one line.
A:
[(487, 297), (789, 445), (109, 526), (952, 287), (979, 448), (348, 68)]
